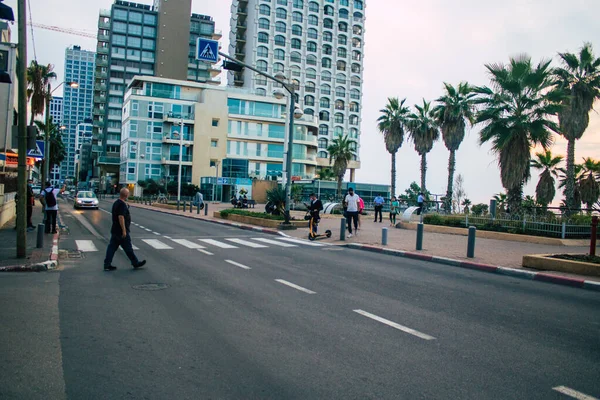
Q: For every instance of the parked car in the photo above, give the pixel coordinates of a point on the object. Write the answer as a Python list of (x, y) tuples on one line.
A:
[(86, 199)]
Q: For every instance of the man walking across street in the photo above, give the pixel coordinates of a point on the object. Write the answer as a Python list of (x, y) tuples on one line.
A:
[(351, 201), (50, 202), (378, 203), (119, 233)]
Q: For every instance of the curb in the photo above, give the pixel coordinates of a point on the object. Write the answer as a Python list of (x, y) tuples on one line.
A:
[(516, 273), (226, 223), (50, 264)]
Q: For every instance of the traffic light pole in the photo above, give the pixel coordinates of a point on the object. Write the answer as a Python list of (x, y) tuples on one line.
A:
[(22, 132)]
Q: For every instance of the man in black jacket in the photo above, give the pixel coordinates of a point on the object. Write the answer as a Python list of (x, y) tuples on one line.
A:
[(315, 208)]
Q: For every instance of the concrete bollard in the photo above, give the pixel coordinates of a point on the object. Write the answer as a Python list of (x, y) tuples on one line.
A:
[(198, 209), (177, 205), (184, 205), (420, 228), (192, 207), (384, 236), (343, 229), (40, 236), (205, 209), (471, 242)]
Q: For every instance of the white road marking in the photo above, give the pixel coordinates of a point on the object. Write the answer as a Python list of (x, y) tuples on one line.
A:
[(573, 393), (247, 243), (237, 264), (167, 237), (292, 285), (299, 241), (187, 243), (157, 244), (218, 244), (395, 325), (208, 253), (275, 242), (149, 230), (156, 233), (85, 245)]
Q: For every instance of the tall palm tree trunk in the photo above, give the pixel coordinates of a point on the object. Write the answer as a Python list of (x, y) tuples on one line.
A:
[(423, 171), (450, 190), (339, 187), (570, 183), (515, 199), (393, 174)]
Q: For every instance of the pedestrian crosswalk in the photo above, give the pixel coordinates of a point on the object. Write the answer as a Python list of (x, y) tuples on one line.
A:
[(201, 244)]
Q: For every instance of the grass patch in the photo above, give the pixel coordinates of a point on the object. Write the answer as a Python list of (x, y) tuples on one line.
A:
[(578, 257), (245, 213)]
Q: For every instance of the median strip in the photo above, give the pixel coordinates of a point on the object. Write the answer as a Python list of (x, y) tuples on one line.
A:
[(402, 328)]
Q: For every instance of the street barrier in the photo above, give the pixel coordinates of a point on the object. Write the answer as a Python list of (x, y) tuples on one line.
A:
[(40, 236), (420, 228), (343, 229), (471, 242)]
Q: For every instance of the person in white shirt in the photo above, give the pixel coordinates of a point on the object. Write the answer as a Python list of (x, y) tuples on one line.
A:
[(49, 197), (351, 201)]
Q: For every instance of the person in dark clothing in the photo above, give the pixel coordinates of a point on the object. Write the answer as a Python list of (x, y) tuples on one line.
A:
[(50, 201), (316, 206), (119, 233), (30, 204)]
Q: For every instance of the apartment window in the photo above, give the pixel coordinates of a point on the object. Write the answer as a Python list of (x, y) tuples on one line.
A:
[(328, 23), (343, 27), (119, 40), (119, 27), (323, 143), (296, 44), (354, 107), (324, 130), (261, 65), (342, 39), (311, 46), (344, 13), (262, 51), (261, 92), (358, 4), (339, 104), (279, 54), (327, 50), (278, 67), (327, 37), (309, 111), (297, 30), (326, 62), (338, 132), (353, 120), (339, 118), (148, 44), (280, 27), (325, 89), (344, 3), (135, 17), (120, 14), (149, 31), (324, 116), (214, 143), (298, 3), (311, 73), (279, 40), (261, 80), (264, 9), (353, 133), (341, 65), (296, 71), (296, 16), (134, 29), (309, 100), (355, 94), (281, 13), (324, 101), (213, 163), (311, 59), (295, 57), (356, 55), (342, 53), (313, 33), (263, 23), (313, 20), (356, 42), (134, 41), (328, 10), (149, 19), (279, 2), (313, 6), (340, 78), (263, 37), (310, 87), (340, 91)]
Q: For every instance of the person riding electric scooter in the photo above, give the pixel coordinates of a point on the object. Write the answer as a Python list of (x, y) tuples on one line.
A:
[(314, 210)]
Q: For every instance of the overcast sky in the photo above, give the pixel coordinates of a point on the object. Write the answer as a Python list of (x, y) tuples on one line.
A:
[(411, 48)]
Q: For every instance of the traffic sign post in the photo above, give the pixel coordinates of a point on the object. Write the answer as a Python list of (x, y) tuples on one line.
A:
[(207, 50), (38, 152)]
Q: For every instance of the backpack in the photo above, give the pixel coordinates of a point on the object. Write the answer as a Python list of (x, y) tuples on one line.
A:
[(50, 198)]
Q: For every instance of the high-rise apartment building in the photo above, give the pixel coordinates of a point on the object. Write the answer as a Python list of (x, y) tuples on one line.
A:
[(319, 44), (138, 39), (8, 92), (56, 110), (80, 66)]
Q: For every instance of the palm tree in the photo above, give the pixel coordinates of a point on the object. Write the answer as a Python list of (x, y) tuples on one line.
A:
[(38, 78), (588, 185), (327, 174), (466, 203), (57, 147), (454, 107), (340, 153), (516, 115), (580, 79), (501, 201), (562, 184), (424, 133), (392, 123), (546, 187)]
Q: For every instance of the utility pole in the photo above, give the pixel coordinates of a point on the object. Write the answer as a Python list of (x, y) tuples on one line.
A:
[(180, 159), (46, 170), (22, 132)]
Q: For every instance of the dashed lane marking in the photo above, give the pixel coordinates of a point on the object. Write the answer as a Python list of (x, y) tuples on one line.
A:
[(402, 328), (293, 285), (237, 264), (573, 393), (208, 253)]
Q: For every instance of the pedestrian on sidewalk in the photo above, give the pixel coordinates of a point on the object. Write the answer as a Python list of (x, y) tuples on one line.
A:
[(316, 206), (351, 202), (30, 205), (394, 205), (119, 233), (49, 198), (420, 201), (378, 202), (361, 209)]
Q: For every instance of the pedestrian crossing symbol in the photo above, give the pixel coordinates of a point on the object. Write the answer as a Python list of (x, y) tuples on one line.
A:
[(207, 50), (38, 151)]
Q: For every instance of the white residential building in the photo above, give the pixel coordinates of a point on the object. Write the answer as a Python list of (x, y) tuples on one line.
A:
[(317, 43)]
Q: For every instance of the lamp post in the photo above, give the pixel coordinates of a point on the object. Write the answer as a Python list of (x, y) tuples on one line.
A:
[(45, 171), (138, 148), (216, 181), (22, 131), (180, 160)]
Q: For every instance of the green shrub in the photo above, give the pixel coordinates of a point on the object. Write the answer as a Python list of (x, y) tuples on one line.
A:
[(235, 211)]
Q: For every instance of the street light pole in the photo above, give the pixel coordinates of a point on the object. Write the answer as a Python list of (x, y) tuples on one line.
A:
[(180, 159), (22, 132)]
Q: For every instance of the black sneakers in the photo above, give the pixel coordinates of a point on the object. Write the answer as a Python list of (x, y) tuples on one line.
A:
[(140, 264), (109, 268)]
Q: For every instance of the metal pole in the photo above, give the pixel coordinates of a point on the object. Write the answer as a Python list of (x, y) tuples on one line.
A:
[(594, 236), (288, 180), (205, 209), (22, 131), (471, 242), (40, 236), (343, 229), (420, 236), (563, 233), (384, 236), (45, 170), (180, 159)]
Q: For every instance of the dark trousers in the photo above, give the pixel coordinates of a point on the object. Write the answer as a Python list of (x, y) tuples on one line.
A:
[(352, 217), (378, 210), (420, 210), (29, 214), (393, 218), (51, 221), (113, 246)]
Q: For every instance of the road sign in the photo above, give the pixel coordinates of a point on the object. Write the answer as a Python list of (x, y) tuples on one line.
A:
[(207, 50), (222, 181), (38, 152)]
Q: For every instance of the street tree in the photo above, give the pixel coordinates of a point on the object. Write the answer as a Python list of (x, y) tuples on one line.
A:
[(340, 154), (58, 151), (579, 78), (455, 108), (38, 78), (392, 124), (545, 191), (516, 114), (424, 132), (459, 191)]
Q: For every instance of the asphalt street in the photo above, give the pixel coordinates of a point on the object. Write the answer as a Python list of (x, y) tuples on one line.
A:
[(223, 313)]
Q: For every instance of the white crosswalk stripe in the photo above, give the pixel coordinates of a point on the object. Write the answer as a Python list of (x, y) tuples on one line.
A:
[(218, 244), (188, 244), (86, 246), (247, 243), (275, 242), (157, 244), (300, 241)]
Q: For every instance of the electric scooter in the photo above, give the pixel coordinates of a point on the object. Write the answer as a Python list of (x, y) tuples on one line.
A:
[(312, 234)]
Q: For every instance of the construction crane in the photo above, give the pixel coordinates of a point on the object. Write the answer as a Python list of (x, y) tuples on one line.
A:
[(63, 30)]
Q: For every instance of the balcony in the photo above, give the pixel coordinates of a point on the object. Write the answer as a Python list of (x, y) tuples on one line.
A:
[(104, 24), (242, 11), (101, 87), (98, 111), (101, 75), (109, 160), (100, 62), (103, 37), (99, 99), (96, 149), (176, 118), (173, 138), (173, 159), (101, 49)]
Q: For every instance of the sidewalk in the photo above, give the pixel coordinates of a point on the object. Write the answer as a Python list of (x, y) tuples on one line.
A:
[(36, 259)]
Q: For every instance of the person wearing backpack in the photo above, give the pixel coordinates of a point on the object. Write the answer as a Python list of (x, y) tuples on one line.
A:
[(51, 206)]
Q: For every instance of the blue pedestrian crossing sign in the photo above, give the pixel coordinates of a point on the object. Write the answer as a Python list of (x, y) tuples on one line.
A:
[(38, 152), (207, 50)]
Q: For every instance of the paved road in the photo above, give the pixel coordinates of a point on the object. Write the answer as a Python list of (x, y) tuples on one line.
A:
[(290, 320)]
